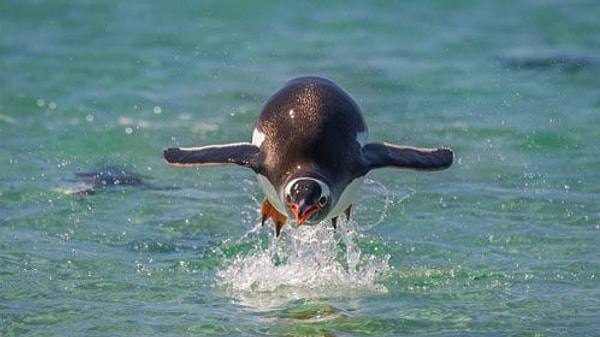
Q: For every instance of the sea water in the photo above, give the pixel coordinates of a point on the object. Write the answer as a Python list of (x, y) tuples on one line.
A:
[(504, 243)]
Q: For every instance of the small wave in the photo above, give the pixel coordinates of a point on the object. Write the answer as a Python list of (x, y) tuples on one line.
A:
[(307, 262)]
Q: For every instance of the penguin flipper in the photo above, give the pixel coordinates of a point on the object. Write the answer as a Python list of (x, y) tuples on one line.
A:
[(243, 154), (378, 155)]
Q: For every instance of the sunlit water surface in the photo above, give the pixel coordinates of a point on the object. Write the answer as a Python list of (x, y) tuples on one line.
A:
[(505, 243)]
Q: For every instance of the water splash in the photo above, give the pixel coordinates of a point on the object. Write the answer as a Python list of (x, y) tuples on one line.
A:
[(307, 262)]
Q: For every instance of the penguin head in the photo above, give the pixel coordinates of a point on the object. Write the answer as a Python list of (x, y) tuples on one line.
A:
[(308, 199)]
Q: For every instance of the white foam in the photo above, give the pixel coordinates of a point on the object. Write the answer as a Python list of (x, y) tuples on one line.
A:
[(307, 262)]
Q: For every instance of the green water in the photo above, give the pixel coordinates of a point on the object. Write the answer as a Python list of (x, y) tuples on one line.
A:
[(505, 243)]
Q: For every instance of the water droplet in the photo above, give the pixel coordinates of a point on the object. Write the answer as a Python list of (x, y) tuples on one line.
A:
[(308, 260)]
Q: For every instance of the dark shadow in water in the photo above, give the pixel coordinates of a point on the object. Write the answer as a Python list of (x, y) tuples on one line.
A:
[(88, 182), (568, 63)]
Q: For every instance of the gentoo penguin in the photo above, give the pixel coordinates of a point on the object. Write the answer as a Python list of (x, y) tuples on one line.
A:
[(310, 154)]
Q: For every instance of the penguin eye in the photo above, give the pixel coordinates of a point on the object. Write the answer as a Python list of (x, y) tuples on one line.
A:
[(288, 199), (322, 201)]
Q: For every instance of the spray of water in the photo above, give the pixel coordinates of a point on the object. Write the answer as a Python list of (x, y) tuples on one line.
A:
[(310, 262), (305, 263)]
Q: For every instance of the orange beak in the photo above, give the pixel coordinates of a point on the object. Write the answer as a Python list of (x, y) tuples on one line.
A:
[(303, 212)]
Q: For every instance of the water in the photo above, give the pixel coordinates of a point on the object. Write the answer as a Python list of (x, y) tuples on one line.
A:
[(503, 243)]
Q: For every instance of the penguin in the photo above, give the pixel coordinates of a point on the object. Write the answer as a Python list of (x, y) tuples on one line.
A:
[(310, 153)]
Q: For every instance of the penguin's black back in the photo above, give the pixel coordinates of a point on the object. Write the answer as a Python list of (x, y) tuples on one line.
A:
[(312, 123)]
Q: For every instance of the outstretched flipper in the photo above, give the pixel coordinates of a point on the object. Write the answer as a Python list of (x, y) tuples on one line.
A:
[(243, 154), (268, 211), (378, 155)]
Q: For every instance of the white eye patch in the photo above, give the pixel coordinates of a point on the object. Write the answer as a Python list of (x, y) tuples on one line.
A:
[(324, 188)]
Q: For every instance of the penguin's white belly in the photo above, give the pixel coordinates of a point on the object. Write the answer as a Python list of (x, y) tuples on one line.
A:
[(348, 197), (271, 194)]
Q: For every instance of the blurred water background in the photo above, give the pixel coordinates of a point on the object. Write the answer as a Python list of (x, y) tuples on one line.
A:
[(505, 243)]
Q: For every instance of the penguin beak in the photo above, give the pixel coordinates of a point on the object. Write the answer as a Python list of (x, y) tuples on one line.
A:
[(303, 211)]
